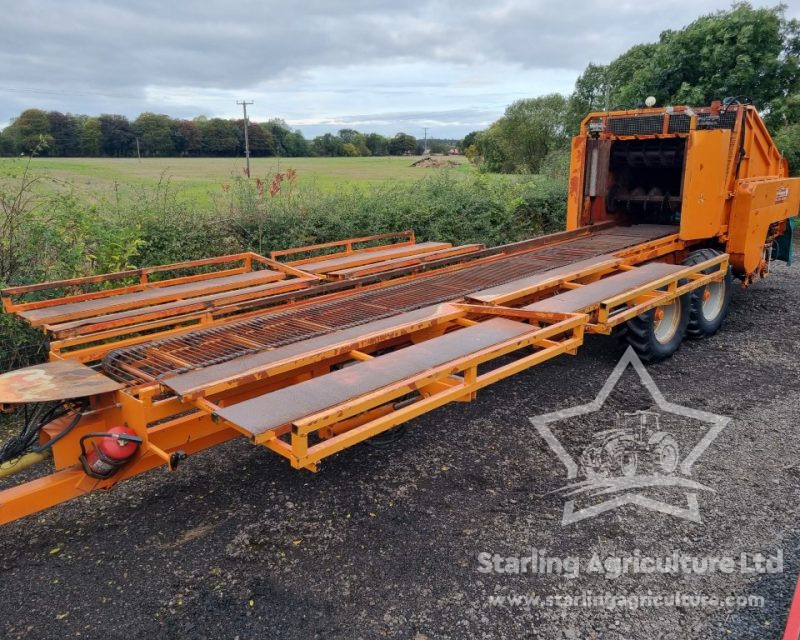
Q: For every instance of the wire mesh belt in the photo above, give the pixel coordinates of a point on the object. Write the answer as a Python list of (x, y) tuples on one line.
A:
[(151, 361)]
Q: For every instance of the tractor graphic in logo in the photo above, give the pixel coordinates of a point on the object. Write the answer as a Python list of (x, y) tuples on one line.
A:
[(636, 462), (637, 444)]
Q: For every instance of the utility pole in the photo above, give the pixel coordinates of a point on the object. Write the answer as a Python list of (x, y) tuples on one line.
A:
[(244, 104), (425, 144)]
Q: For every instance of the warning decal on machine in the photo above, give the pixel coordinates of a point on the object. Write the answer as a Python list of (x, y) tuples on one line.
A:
[(782, 194)]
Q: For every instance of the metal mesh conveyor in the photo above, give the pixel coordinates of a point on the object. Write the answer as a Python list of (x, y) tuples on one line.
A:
[(153, 361)]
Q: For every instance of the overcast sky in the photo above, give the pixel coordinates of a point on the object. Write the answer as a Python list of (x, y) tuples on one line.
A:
[(374, 65)]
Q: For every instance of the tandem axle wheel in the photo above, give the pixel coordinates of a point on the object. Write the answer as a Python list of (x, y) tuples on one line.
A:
[(658, 333)]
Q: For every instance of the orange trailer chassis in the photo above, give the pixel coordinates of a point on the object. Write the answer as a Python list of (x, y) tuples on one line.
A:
[(333, 386)]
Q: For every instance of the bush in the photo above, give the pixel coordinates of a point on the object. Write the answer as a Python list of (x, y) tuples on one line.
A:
[(61, 233), (476, 208), (788, 141)]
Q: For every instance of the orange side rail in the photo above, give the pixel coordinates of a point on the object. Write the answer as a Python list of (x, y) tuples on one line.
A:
[(346, 247)]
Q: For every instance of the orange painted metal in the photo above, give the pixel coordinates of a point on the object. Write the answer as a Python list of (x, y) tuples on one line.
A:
[(308, 368), (281, 408), (591, 295), (359, 258), (217, 378), (393, 263), (759, 206), (344, 247), (180, 382), (132, 317), (298, 322), (517, 289), (69, 311), (732, 186), (705, 191)]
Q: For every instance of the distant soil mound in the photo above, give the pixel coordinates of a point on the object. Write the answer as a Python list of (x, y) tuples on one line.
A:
[(435, 163)]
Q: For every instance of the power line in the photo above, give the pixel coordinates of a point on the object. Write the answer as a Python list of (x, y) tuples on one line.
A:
[(244, 104)]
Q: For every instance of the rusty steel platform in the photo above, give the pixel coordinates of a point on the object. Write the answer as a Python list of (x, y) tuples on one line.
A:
[(593, 294), (52, 381), (358, 259), (284, 406)]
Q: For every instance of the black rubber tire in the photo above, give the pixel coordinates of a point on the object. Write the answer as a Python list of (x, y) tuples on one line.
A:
[(639, 333), (699, 325)]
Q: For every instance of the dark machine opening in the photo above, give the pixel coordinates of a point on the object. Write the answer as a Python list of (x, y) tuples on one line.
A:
[(646, 179)]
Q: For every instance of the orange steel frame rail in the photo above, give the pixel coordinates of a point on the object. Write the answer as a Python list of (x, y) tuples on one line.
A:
[(144, 277), (169, 423), (343, 247)]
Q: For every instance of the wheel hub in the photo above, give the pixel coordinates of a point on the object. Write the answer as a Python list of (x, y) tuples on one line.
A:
[(666, 321), (713, 300)]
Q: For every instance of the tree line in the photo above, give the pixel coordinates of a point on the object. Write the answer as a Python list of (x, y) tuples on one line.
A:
[(59, 134), (743, 52)]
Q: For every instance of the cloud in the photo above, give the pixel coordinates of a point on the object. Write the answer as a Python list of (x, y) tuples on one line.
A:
[(312, 61)]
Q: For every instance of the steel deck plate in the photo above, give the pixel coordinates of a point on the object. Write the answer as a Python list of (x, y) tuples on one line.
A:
[(394, 263), (273, 410), (212, 301), (51, 381), (539, 281), (368, 257), (153, 295), (593, 294)]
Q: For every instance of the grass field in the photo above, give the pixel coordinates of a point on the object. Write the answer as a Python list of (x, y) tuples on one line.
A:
[(198, 178)]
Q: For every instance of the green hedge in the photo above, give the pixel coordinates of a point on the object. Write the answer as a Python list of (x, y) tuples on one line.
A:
[(63, 233)]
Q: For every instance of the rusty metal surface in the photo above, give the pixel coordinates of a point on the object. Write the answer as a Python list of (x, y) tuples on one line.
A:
[(368, 257), (282, 407), (140, 298), (374, 267), (385, 265), (154, 361), (193, 381), (169, 308), (58, 380), (594, 293), (523, 284)]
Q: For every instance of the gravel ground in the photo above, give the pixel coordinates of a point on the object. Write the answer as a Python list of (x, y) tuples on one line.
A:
[(384, 543)]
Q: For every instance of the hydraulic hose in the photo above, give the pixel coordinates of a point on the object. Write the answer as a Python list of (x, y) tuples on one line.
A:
[(10, 467)]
